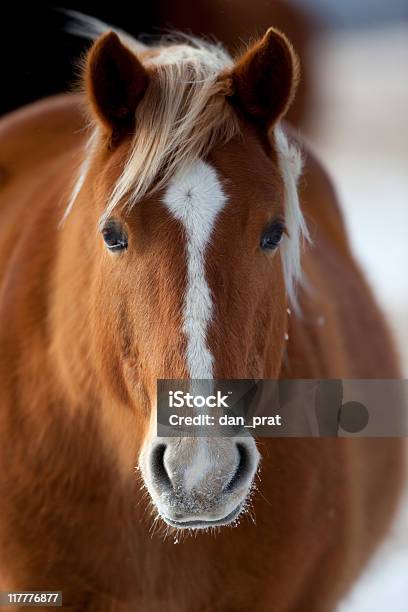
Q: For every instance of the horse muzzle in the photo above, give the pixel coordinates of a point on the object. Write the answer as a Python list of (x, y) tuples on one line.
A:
[(196, 483)]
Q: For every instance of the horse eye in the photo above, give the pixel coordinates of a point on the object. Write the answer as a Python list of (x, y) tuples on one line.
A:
[(114, 236), (273, 235)]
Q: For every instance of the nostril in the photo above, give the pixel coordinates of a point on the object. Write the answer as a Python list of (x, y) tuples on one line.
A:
[(242, 470), (158, 468)]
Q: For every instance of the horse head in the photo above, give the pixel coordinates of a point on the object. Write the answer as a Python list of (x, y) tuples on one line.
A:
[(191, 183)]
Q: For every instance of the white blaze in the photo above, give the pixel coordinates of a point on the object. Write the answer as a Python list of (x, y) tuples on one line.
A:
[(195, 197)]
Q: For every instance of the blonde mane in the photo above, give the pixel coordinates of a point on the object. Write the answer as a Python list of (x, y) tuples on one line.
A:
[(182, 115)]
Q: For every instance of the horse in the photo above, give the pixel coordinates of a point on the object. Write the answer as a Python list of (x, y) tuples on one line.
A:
[(155, 226)]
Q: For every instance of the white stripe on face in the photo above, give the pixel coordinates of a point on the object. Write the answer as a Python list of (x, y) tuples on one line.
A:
[(195, 197)]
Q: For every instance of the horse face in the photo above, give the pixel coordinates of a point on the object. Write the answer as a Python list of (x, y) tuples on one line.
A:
[(192, 280), (195, 276)]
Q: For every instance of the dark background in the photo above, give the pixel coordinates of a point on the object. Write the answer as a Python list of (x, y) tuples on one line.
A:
[(38, 56)]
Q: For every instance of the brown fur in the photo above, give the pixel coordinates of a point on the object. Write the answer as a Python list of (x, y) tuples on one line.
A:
[(265, 79), (110, 68), (83, 338)]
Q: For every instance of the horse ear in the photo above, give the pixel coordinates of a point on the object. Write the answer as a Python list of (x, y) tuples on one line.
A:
[(115, 82), (265, 79)]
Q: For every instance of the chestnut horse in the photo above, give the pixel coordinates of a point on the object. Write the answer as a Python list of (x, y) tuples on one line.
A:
[(162, 238)]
